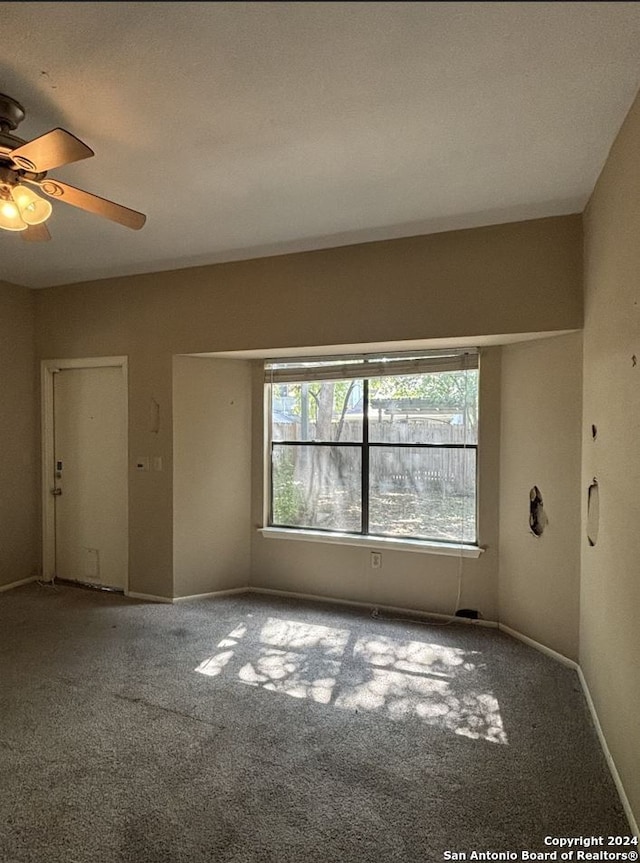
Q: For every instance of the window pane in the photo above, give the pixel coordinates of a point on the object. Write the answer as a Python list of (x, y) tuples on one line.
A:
[(423, 493), (318, 410), (439, 407), (317, 486)]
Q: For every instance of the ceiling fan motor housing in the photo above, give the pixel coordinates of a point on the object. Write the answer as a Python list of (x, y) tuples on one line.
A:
[(11, 113)]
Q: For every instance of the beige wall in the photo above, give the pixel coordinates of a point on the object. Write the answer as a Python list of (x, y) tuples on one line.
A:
[(211, 474), (427, 582), (19, 548), (506, 278), (541, 441), (512, 278), (610, 588)]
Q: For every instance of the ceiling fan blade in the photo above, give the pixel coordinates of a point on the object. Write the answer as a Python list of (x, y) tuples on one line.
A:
[(92, 203), (36, 234), (50, 150)]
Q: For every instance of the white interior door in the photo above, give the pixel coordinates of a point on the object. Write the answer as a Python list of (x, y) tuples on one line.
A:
[(90, 468)]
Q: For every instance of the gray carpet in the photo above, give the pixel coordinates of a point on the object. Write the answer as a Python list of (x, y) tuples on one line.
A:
[(251, 729)]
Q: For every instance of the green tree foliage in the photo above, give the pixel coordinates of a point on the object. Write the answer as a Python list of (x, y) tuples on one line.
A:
[(454, 391), (328, 401), (288, 500)]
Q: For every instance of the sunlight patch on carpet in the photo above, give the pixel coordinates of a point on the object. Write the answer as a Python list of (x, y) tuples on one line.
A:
[(289, 672), (434, 683), (304, 636)]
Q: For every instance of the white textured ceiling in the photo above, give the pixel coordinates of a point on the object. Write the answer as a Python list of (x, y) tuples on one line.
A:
[(247, 129)]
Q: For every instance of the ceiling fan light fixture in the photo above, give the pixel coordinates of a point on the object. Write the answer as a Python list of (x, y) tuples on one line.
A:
[(29, 162), (10, 219), (34, 210)]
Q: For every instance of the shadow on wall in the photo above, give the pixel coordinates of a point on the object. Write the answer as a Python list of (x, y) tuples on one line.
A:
[(399, 679)]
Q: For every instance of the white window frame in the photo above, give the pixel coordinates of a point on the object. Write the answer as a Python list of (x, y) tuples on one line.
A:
[(368, 366)]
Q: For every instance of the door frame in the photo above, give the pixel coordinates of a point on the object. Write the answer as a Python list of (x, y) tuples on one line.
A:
[(48, 371)]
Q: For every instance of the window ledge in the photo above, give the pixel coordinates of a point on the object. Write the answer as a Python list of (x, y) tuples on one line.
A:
[(373, 542)]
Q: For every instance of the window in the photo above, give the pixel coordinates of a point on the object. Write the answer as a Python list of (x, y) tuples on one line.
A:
[(378, 446)]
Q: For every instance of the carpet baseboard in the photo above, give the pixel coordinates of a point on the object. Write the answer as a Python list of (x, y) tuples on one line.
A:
[(148, 597), (633, 824), (559, 657), (22, 581), (312, 597), (214, 593)]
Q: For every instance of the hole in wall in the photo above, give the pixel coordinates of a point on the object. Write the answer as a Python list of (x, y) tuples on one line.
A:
[(594, 432), (537, 516), (593, 512)]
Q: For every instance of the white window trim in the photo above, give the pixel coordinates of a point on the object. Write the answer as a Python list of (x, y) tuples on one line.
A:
[(420, 546), (373, 542)]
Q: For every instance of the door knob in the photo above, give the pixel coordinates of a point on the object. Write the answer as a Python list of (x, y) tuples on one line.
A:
[(56, 491)]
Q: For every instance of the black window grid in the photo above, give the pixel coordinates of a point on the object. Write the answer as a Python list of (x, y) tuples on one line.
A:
[(365, 446)]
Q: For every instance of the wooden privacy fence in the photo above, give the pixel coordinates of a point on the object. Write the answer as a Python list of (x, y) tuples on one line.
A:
[(450, 471)]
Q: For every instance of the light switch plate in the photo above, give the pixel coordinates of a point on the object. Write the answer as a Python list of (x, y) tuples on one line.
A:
[(142, 462)]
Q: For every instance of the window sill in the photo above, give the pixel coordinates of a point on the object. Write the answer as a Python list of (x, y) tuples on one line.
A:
[(374, 542)]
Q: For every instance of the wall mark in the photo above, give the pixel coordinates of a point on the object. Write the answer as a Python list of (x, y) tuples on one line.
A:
[(537, 516), (154, 427), (593, 512), (44, 75)]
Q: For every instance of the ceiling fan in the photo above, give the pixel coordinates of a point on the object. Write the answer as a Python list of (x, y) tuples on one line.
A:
[(24, 164)]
